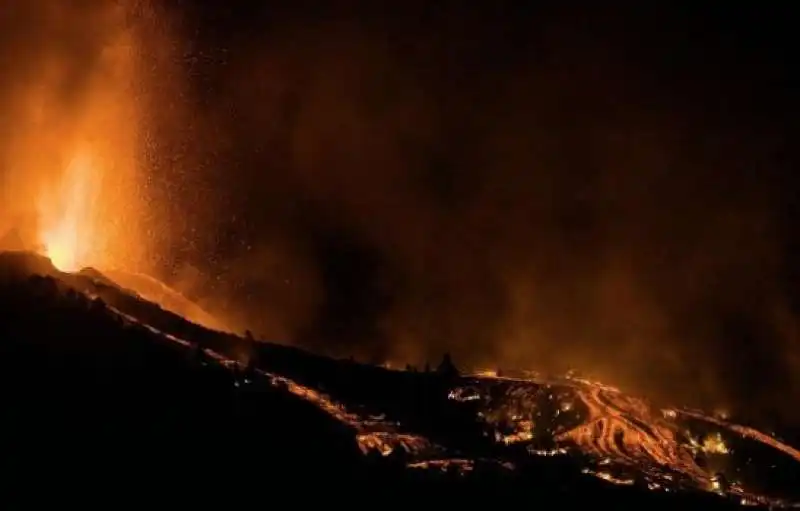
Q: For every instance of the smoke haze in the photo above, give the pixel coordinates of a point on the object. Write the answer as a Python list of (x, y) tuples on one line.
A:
[(525, 189)]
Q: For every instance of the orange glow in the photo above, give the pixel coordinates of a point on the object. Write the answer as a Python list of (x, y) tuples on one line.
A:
[(78, 155), (66, 218), (74, 160)]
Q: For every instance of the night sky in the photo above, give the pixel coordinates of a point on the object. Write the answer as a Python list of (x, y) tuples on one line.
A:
[(605, 186)]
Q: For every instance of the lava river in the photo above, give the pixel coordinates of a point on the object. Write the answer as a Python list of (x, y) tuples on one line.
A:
[(624, 440), (617, 437)]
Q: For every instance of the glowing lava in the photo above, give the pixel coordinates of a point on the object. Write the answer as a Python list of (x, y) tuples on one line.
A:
[(66, 216)]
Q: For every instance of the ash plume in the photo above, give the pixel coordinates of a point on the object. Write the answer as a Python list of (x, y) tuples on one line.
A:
[(86, 89), (520, 189), (524, 189)]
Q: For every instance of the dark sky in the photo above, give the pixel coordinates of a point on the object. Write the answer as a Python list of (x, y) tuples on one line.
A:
[(608, 186), (602, 186)]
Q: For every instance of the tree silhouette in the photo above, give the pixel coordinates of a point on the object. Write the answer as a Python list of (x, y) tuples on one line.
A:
[(447, 368)]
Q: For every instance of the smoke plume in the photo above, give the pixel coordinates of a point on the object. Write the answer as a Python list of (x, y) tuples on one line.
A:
[(524, 189)]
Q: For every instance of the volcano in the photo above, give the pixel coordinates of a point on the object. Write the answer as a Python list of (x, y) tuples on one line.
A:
[(101, 384)]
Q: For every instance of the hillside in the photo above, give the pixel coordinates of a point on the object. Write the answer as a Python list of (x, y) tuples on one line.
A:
[(100, 385)]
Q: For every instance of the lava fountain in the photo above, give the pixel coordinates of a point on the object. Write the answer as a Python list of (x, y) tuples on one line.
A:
[(73, 172), (93, 85), (65, 215)]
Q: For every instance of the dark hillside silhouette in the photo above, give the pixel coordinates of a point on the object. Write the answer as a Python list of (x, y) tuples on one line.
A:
[(91, 398)]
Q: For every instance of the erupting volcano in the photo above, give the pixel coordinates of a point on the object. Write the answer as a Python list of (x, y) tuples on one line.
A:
[(491, 186), (73, 164), (79, 163)]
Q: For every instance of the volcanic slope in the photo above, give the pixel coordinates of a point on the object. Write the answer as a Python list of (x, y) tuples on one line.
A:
[(100, 385)]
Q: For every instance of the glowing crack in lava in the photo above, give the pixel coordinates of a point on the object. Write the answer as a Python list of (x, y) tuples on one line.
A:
[(67, 217)]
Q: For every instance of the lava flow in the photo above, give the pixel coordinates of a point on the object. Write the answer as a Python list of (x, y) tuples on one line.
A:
[(618, 438), (628, 442)]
